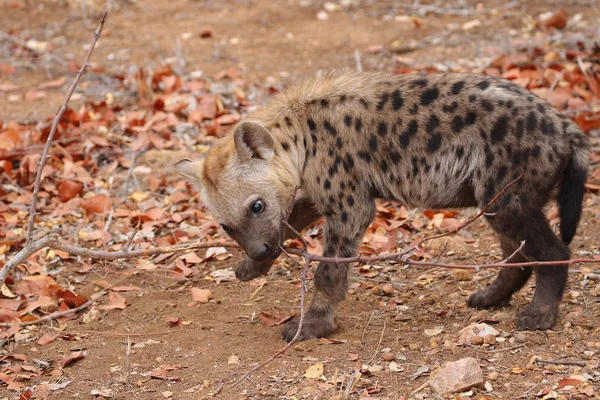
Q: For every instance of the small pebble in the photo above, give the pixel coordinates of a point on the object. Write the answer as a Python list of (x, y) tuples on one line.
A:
[(388, 356), (493, 376), (489, 339), (519, 337), (476, 340)]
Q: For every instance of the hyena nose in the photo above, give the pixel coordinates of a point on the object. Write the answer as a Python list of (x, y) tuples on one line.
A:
[(260, 251)]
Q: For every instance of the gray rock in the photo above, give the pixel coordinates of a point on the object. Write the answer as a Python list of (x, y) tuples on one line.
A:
[(457, 376)]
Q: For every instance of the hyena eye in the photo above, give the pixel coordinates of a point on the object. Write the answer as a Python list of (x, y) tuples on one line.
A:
[(257, 207), (227, 229)]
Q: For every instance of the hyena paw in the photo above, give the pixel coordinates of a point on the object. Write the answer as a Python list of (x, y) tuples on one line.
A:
[(250, 269), (487, 298), (537, 317), (311, 328)]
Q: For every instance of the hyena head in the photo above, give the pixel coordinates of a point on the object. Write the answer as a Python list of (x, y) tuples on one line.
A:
[(239, 184)]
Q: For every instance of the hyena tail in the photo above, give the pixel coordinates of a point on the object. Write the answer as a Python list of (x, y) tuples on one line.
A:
[(570, 197)]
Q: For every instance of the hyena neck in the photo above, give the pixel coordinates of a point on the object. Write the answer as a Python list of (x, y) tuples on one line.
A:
[(288, 161)]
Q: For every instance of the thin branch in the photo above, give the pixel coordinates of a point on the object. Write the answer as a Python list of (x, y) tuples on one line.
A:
[(513, 255), (63, 108), (292, 342), (467, 223), (423, 9), (561, 362), (53, 241)]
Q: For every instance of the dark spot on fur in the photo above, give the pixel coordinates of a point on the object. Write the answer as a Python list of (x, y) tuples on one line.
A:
[(285, 146), (531, 121), (547, 127), (541, 108), (373, 143), (397, 100), (344, 217), (510, 104), (348, 121), (483, 85), (348, 162), (410, 131), (324, 102), (343, 98), (364, 155), (472, 98), (384, 166), (460, 152), (429, 95), (338, 143), (311, 124), (327, 184), (457, 87), (350, 200), (489, 159), (501, 173), (358, 125), (382, 101), (450, 108), (333, 170), (288, 121), (329, 128), (364, 103), (500, 129), (395, 157), (536, 152), (487, 106), (434, 143), (471, 118), (520, 127), (432, 124), (382, 129), (418, 83), (457, 124)]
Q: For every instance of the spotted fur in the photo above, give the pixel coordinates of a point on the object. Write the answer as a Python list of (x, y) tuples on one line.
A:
[(435, 141)]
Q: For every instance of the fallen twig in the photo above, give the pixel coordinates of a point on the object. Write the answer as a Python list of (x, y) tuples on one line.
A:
[(53, 241), (518, 346), (424, 9), (562, 362)]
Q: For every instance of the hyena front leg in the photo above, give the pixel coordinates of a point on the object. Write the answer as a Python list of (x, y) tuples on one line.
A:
[(344, 230), (303, 214)]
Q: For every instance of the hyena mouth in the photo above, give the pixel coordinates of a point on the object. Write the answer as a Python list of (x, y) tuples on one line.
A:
[(274, 253)]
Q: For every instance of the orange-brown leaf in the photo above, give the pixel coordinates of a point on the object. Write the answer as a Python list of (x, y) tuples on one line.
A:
[(98, 204)]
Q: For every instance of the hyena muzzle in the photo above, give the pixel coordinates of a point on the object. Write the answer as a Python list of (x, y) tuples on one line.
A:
[(436, 141)]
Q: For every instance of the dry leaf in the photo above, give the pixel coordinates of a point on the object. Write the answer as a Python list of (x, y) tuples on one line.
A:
[(314, 371), (97, 205), (71, 357)]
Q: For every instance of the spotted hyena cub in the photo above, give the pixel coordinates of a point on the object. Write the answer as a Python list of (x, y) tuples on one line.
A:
[(435, 141)]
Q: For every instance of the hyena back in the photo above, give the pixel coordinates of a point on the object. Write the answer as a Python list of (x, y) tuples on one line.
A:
[(436, 141)]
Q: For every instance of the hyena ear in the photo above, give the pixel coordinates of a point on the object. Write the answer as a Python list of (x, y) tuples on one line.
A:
[(191, 170), (252, 140)]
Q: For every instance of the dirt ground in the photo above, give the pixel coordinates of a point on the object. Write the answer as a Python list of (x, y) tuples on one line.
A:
[(271, 42)]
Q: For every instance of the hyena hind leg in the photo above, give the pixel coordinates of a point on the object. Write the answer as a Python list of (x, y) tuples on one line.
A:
[(508, 281), (541, 244), (303, 214)]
